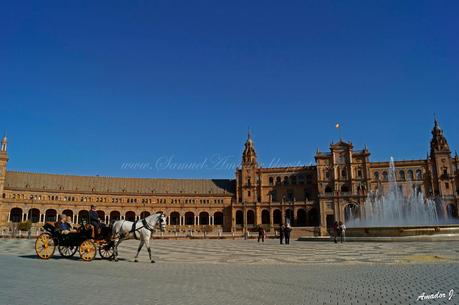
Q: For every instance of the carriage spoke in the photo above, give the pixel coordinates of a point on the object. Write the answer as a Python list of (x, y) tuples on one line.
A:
[(44, 246)]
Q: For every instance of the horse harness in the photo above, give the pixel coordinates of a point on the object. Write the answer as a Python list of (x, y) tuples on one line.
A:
[(145, 225)]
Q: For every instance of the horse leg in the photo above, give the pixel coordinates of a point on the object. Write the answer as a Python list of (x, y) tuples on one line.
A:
[(138, 250), (149, 250), (115, 249)]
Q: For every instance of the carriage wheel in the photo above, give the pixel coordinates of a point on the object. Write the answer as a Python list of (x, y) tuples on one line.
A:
[(45, 246), (88, 250), (67, 251), (106, 251)]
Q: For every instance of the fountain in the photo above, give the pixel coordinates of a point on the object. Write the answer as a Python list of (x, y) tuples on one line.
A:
[(393, 214)]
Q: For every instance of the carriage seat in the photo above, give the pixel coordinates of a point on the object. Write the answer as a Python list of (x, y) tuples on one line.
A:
[(51, 227)]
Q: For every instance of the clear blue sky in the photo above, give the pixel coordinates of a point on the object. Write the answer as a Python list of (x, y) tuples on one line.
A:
[(88, 85)]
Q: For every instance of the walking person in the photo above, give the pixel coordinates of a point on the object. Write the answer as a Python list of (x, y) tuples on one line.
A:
[(261, 234), (288, 230), (282, 234), (335, 231), (342, 231)]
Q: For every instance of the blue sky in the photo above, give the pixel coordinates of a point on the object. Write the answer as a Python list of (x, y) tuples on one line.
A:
[(87, 87)]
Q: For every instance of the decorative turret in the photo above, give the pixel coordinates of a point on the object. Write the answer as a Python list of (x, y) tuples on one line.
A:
[(4, 144), (248, 177), (438, 142), (249, 156), (3, 164), (441, 163)]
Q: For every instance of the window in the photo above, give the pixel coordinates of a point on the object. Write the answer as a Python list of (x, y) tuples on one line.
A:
[(271, 180), (278, 180), (327, 174), (274, 195), (248, 193), (359, 173), (300, 179), (328, 189), (344, 188), (419, 174), (447, 185), (290, 196), (376, 174), (402, 175), (410, 175), (385, 176), (343, 173)]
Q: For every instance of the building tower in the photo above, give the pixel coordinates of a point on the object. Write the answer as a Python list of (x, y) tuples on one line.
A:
[(3, 163), (443, 183), (249, 178)]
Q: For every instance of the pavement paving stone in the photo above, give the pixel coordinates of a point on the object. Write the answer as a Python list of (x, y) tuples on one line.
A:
[(235, 272)]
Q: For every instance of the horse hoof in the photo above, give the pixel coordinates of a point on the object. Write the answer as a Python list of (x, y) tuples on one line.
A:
[(153, 262), (135, 261), (115, 260)]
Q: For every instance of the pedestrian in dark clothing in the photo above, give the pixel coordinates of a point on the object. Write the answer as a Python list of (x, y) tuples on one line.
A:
[(261, 234), (287, 231), (282, 234), (335, 231)]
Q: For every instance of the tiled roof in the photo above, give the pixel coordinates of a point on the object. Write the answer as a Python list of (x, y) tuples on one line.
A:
[(52, 182)]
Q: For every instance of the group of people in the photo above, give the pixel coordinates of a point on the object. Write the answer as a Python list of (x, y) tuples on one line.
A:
[(66, 227), (64, 224), (339, 231), (284, 234)]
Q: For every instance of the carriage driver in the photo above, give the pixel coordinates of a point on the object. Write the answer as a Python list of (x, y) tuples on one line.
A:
[(95, 220)]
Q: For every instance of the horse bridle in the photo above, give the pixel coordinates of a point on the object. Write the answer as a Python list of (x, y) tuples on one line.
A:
[(147, 226)]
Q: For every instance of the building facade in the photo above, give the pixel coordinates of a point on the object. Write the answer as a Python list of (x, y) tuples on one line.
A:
[(310, 197)]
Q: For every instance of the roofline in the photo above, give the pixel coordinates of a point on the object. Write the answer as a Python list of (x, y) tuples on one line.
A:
[(115, 177), (401, 162)]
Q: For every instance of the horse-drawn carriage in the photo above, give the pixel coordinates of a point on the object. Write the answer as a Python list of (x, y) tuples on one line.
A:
[(86, 240), (80, 240)]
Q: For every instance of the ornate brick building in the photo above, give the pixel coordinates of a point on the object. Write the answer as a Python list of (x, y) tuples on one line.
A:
[(311, 197)]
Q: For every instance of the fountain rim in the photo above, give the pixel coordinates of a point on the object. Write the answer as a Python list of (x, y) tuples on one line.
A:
[(406, 226)]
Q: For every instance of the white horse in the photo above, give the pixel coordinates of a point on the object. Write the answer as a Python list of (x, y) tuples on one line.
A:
[(141, 229)]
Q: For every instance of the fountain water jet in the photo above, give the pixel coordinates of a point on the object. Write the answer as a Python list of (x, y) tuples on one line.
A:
[(393, 209)]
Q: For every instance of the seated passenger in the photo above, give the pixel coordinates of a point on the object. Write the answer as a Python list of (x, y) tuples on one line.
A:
[(64, 226)]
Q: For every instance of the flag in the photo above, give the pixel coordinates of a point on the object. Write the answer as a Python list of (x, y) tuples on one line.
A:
[(337, 125)]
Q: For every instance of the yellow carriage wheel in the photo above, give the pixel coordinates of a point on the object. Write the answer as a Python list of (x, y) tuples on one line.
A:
[(45, 246), (88, 250)]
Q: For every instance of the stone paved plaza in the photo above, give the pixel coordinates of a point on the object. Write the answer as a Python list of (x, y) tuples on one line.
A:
[(236, 272)]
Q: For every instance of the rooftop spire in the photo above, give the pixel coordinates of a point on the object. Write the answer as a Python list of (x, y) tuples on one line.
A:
[(249, 155), (438, 142), (4, 143), (436, 125)]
